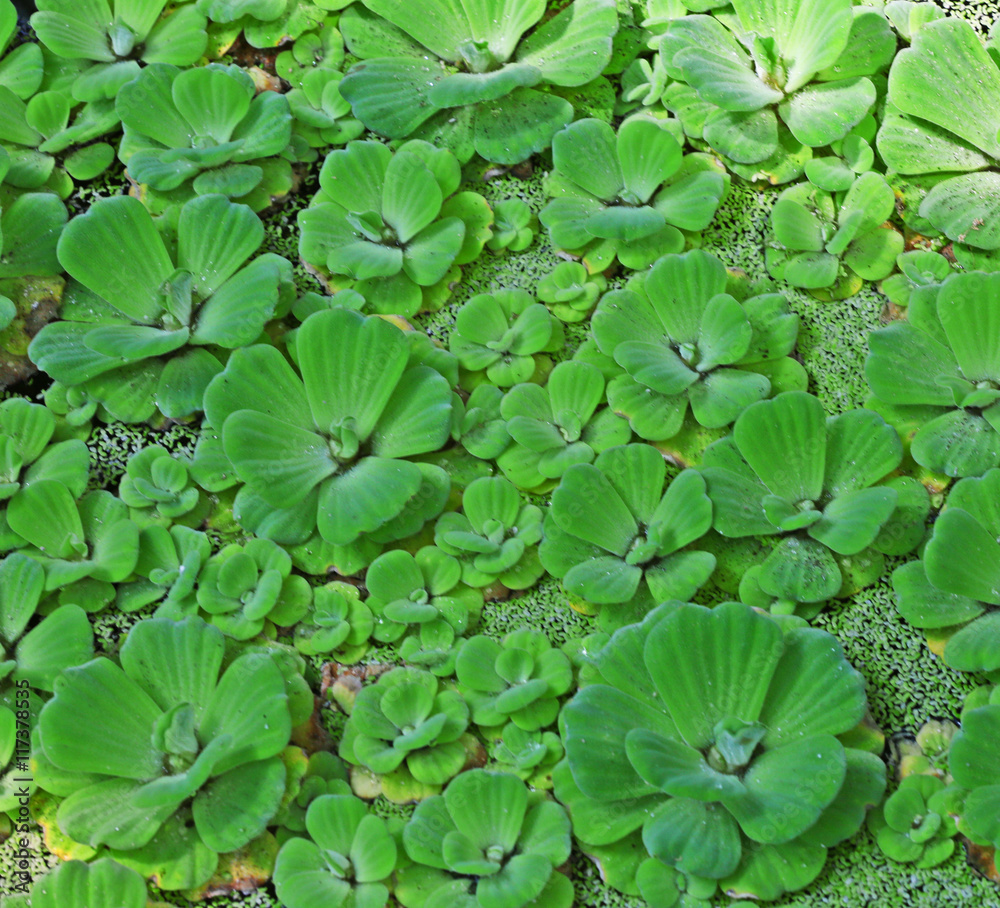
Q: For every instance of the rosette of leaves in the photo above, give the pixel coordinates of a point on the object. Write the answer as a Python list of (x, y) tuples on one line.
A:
[(27, 456), (915, 824), (486, 843), (61, 639), (478, 425), (246, 587), (322, 115), (514, 227), (29, 231), (76, 884), (608, 193), (940, 130), (715, 752), (519, 680), (265, 23), (798, 67), (347, 859), (642, 86), (322, 774), (822, 240), (30, 658), (204, 131), (407, 721), (90, 539), (791, 471), (612, 526), (505, 333), (954, 590), (158, 486), (50, 140), (972, 762), (938, 374), (167, 570), (392, 223), (488, 90), (115, 36), (530, 755), (337, 623), (557, 426), (329, 446), (495, 537), (409, 591), (141, 340), (921, 273), (570, 292), (22, 68), (320, 47), (195, 740), (684, 341)]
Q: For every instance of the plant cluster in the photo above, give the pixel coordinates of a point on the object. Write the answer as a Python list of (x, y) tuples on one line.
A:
[(228, 647)]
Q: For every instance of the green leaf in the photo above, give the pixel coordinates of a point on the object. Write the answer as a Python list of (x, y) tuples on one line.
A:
[(970, 755), (969, 317), (819, 766), (679, 288), (826, 112), (923, 83), (697, 838), (802, 570), (372, 492), (725, 81), (957, 443), (965, 209), (782, 441), (603, 580), (586, 505), (390, 95), (117, 230), (432, 252), (61, 639), (411, 197), (961, 557), (574, 46), (796, 227), (516, 126), (237, 806), (649, 154), (119, 714), (851, 521)]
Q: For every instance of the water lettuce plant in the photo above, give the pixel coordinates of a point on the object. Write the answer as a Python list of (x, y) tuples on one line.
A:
[(915, 824), (954, 590), (683, 341), (337, 624), (347, 859), (707, 737), (821, 240), (626, 194), (790, 470), (204, 131), (465, 72), (113, 36), (329, 447), (514, 227), (973, 765), (503, 333), (407, 592), (519, 680), (391, 222), (797, 65), (407, 720), (486, 843), (158, 486), (29, 455), (556, 426), (612, 526), (937, 375), (570, 292), (144, 343), (495, 536), (191, 734), (940, 129)]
